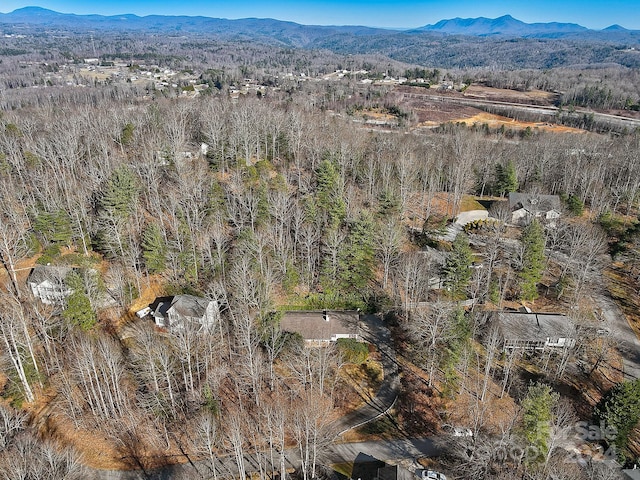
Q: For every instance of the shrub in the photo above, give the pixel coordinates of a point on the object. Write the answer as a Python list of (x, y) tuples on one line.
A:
[(352, 350)]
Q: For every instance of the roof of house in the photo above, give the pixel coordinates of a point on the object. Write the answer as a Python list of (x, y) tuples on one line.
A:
[(321, 324), (535, 326), (395, 472), (160, 311), (534, 202), (631, 474), (52, 273), (189, 306)]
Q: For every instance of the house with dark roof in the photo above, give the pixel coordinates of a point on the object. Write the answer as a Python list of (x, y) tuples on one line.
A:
[(527, 206), (395, 472), (322, 326), (47, 283), (176, 312), (535, 331)]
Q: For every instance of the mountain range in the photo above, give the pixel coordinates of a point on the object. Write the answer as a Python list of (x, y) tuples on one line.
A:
[(503, 42), (293, 32)]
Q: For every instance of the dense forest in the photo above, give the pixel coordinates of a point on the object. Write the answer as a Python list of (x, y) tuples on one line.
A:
[(283, 201)]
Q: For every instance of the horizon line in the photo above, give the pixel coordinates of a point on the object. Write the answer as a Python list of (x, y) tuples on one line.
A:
[(400, 29)]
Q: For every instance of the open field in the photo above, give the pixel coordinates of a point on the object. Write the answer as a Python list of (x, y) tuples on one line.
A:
[(534, 97), (497, 121), (433, 108)]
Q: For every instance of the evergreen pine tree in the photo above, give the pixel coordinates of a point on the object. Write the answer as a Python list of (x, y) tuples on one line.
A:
[(54, 227), (532, 260), (78, 309), (537, 415), (116, 203), (154, 249), (127, 134), (387, 203), (506, 179), (575, 205), (456, 269), (118, 196), (357, 258), (620, 409), (329, 193), (456, 342)]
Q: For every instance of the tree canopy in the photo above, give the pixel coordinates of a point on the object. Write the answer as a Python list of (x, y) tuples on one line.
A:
[(457, 271), (532, 260), (620, 408)]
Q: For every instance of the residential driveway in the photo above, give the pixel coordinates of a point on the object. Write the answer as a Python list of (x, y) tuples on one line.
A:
[(628, 343), (466, 217), (376, 333), (461, 220), (385, 450)]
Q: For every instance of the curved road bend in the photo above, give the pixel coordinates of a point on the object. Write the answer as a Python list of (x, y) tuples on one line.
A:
[(376, 333)]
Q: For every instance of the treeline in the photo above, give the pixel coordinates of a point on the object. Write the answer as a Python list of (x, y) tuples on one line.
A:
[(492, 53), (606, 87)]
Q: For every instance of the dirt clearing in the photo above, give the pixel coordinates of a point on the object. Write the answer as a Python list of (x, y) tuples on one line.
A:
[(497, 121)]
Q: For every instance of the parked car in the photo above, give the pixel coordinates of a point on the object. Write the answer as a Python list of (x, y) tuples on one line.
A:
[(431, 475), (457, 431)]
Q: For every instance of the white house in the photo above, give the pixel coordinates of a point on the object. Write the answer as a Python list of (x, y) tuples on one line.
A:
[(187, 309), (47, 283), (525, 207)]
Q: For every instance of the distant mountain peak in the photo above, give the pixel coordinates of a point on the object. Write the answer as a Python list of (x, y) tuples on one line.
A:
[(35, 10), (615, 28), (504, 25)]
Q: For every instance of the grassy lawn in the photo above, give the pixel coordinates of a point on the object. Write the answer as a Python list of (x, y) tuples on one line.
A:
[(469, 203)]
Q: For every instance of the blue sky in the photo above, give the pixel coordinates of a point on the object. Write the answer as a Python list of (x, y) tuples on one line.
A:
[(594, 14)]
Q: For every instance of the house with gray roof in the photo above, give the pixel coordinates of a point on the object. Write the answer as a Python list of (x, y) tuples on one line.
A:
[(631, 474), (527, 206), (181, 310), (322, 326), (47, 283), (535, 331)]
